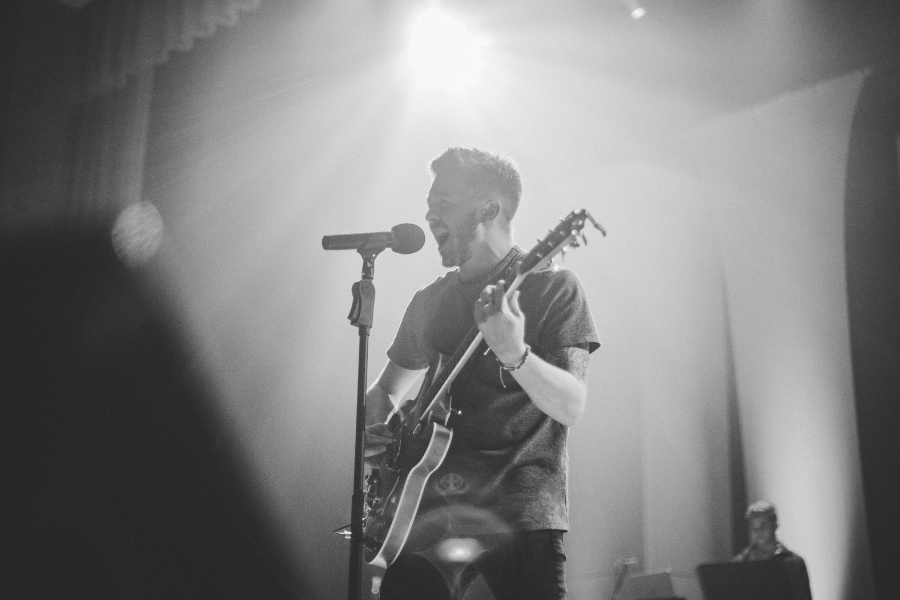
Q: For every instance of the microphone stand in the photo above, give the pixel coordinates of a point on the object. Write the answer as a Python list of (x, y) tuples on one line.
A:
[(361, 316)]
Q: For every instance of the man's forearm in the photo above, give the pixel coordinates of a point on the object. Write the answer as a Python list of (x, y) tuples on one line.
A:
[(383, 395), (378, 405), (555, 391)]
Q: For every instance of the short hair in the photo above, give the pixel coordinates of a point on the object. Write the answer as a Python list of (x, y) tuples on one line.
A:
[(496, 173), (762, 508)]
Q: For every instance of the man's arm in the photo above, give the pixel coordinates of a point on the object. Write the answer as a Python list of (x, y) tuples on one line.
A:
[(387, 391), (557, 387), (381, 398), (573, 361)]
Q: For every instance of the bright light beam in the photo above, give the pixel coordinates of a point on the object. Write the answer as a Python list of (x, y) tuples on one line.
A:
[(443, 54)]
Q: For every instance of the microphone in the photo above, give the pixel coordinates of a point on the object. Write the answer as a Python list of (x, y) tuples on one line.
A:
[(404, 238)]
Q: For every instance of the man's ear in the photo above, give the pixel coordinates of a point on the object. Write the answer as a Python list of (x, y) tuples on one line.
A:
[(492, 208)]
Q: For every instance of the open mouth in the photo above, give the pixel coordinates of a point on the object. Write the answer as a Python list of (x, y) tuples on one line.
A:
[(442, 238)]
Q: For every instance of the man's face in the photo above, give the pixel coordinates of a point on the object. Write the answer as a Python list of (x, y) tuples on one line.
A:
[(761, 530), (452, 215)]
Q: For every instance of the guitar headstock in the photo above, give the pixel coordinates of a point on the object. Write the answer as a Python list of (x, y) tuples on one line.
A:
[(567, 234)]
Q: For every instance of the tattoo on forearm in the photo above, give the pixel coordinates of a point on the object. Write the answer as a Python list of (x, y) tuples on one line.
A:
[(572, 359), (579, 358)]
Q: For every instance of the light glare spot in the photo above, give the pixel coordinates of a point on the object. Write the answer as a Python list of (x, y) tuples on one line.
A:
[(443, 54), (634, 8), (137, 233), (460, 550)]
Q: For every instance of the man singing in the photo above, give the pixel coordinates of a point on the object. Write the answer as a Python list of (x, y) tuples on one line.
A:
[(501, 491)]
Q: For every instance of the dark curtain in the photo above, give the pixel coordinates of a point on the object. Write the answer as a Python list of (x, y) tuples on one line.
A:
[(124, 40), (872, 233)]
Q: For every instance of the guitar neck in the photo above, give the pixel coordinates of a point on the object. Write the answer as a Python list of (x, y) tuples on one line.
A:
[(454, 364)]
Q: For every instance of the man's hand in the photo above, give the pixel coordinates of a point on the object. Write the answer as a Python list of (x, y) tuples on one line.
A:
[(378, 436), (558, 389), (502, 323)]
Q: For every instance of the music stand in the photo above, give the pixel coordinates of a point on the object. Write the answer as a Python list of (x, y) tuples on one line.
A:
[(754, 580)]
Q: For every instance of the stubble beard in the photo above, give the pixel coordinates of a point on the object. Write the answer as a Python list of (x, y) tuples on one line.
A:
[(461, 251)]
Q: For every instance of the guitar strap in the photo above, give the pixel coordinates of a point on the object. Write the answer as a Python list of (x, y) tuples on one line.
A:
[(506, 266), (511, 260)]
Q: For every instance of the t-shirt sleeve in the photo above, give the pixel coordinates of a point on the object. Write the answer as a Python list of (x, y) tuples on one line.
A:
[(406, 350), (566, 318)]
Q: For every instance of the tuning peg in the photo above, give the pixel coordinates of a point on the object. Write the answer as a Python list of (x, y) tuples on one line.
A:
[(596, 225)]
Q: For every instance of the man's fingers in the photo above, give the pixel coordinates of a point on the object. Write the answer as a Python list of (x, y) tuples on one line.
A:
[(514, 304), (378, 436), (371, 451), (497, 294), (480, 311)]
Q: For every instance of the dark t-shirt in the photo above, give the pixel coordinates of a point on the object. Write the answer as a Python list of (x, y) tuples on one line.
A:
[(506, 467), (796, 569)]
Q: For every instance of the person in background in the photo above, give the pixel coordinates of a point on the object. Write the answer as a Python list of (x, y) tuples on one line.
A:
[(762, 523)]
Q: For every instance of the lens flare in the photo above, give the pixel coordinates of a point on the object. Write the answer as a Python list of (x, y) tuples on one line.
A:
[(137, 233), (460, 550)]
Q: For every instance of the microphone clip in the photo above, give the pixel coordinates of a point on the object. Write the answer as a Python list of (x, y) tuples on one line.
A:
[(362, 311)]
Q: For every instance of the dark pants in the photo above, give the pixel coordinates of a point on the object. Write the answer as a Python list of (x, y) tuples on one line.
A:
[(520, 566)]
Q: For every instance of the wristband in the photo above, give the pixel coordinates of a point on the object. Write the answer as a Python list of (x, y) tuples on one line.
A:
[(521, 362)]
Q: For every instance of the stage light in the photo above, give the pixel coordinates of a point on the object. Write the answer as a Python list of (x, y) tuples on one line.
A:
[(443, 54)]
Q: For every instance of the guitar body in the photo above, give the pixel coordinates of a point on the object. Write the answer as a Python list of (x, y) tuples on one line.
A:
[(394, 488), (390, 518)]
